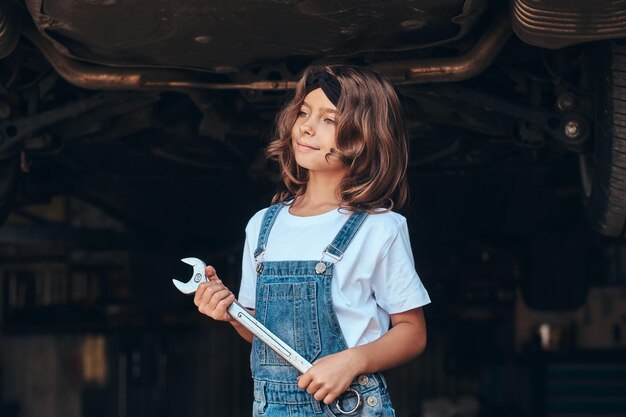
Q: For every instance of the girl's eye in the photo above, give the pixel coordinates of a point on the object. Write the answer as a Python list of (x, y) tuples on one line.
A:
[(302, 113), (329, 121)]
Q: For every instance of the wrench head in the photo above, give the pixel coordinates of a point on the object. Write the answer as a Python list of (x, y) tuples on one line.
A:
[(198, 276)]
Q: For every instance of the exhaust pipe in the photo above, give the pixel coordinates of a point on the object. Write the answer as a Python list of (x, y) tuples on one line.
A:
[(451, 69), (99, 77)]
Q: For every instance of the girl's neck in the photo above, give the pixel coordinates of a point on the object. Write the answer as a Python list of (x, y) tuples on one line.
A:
[(320, 195)]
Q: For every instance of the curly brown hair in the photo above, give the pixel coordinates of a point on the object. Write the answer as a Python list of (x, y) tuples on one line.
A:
[(371, 141)]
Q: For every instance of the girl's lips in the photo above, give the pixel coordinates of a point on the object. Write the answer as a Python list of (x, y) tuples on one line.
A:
[(306, 147)]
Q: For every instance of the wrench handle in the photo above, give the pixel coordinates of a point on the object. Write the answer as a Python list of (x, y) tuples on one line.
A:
[(239, 313)]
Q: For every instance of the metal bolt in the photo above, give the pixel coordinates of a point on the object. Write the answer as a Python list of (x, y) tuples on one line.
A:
[(372, 401), (566, 101), (572, 129)]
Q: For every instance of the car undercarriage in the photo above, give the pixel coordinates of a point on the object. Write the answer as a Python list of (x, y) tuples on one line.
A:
[(133, 134), (135, 108)]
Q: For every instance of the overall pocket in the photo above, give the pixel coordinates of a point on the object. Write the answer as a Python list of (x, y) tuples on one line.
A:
[(289, 310)]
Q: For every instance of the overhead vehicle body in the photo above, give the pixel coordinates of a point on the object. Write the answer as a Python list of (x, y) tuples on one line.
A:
[(147, 108)]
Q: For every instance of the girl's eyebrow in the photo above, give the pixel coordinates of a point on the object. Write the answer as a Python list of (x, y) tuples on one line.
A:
[(324, 109)]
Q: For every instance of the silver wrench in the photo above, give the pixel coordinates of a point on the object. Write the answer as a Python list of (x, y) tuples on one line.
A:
[(241, 315)]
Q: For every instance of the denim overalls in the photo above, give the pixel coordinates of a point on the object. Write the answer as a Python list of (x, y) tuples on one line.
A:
[(293, 300)]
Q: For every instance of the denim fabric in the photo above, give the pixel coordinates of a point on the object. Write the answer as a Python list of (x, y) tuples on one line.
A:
[(294, 301)]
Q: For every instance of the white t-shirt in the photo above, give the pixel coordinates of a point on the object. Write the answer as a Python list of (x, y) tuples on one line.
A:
[(376, 276)]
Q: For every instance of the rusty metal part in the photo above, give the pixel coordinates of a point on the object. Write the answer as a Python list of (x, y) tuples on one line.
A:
[(225, 36), (99, 77), (257, 85), (557, 23), (401, 72), (454, 68)]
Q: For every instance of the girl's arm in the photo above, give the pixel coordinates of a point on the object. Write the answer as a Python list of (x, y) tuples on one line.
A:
[(213, 299), (332, 375)]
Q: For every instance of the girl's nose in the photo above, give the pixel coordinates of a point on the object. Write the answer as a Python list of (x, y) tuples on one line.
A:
[(306, 128)]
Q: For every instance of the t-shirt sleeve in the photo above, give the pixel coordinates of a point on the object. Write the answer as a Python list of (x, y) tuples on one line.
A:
[(247, 289), (396, 285)]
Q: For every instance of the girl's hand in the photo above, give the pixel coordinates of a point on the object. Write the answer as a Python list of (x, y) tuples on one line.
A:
[(213, 298), (330, 376)]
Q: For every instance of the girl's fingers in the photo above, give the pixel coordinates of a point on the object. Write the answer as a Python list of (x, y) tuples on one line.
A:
[(333, 395), (211, 288), (211, 273), (212, 298), (217, 297), (203, 293), (311, 384), (222, 307), (315, 389), (312, 389), (199, 293), (210, 302), (304, 380), (321, 395)]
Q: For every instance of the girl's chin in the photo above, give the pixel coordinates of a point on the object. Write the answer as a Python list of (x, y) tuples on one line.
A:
[(321, 169)]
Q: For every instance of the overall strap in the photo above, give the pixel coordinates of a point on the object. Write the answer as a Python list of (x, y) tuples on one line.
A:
[(341, 241), (266, 226)]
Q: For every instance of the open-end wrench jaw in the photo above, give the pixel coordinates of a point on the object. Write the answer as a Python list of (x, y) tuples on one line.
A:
[(198, 276)]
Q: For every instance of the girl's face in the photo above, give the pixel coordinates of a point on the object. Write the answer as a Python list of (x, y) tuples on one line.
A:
[(313, 133)]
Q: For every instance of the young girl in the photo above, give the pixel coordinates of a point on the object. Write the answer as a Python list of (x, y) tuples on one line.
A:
[(329, 265)]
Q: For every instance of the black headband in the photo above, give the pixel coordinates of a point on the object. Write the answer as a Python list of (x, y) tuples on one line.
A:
[(327, 82)]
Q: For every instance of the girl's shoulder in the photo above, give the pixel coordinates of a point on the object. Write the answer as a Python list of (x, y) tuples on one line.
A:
[(386, 219), (385, 226)]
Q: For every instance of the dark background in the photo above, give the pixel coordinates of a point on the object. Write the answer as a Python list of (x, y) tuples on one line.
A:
[(528, 313), (92, 325)]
